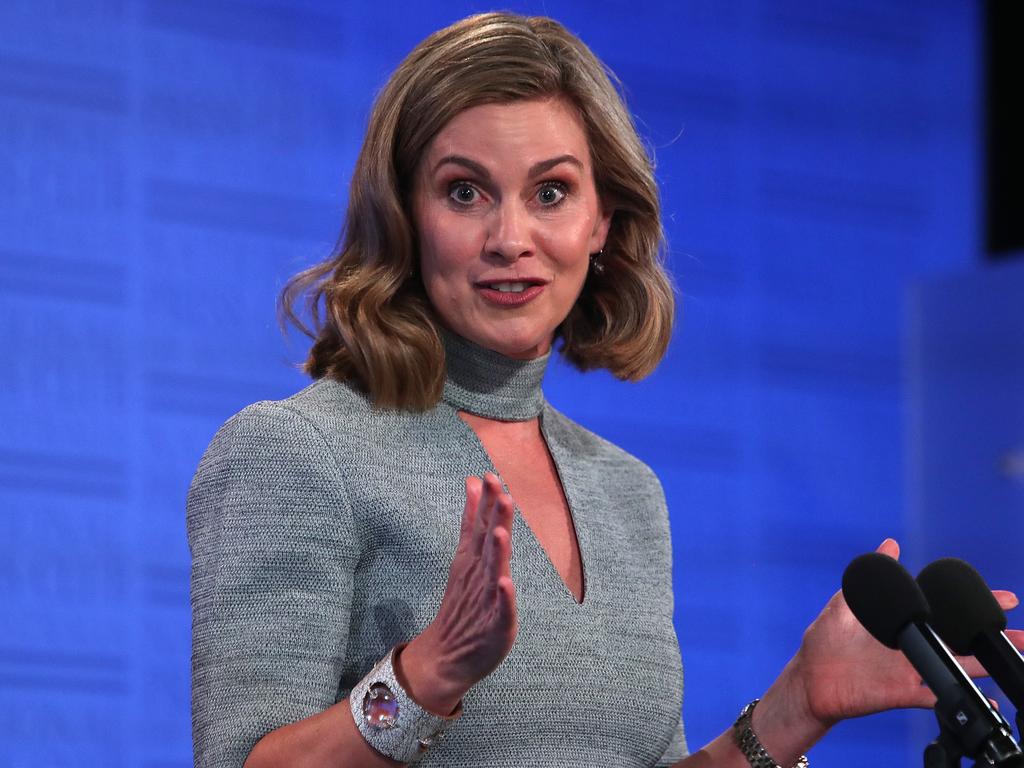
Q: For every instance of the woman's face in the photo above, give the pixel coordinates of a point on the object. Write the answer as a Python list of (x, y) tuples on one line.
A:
[(507, 215)]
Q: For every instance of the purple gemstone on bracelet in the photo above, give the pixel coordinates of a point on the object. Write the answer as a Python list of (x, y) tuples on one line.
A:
[(380, 707)]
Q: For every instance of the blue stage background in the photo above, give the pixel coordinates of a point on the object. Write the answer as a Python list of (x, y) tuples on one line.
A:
[(167, 164)]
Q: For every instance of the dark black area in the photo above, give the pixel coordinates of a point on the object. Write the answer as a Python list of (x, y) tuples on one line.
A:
[(961, 603), (1004, 129), (883, 596)]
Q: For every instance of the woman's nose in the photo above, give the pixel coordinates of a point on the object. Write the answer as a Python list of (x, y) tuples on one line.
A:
[(508, 236)]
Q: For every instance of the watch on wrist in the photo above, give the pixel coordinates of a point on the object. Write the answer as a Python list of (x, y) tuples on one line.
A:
[(751, 746), (388, 718)]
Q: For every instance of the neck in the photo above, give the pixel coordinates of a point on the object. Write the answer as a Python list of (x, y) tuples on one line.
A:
[(488, 384)]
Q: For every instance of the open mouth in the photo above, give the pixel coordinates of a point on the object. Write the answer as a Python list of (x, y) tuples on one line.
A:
[(510, 287), (511, 292)]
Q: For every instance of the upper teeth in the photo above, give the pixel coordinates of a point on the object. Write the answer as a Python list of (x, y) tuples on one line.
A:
[(509, 287)]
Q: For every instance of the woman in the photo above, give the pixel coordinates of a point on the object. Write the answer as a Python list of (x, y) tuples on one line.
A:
[(358, 589)]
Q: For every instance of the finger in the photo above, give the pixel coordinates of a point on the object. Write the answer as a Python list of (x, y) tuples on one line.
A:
[(974, 668), (504, 512), (1016, 636), (922, 698), (492, 556), (496, 491), (505, 613), (474, 489), (1007, 600), (493, 483), (499, 558), (483, 513), (496, 545), (889, 547), (971, 666)]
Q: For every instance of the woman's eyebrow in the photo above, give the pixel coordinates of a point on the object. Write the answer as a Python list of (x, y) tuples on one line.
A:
[(535, 170), (465, 162), (546, 165)]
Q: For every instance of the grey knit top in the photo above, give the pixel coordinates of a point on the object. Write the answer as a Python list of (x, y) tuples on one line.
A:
[(322, 528)]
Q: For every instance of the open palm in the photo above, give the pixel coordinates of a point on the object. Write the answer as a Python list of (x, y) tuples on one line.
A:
[(848, 673)]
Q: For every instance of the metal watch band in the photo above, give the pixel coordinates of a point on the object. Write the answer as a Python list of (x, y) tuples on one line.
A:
[(751, 746), (388, 718)]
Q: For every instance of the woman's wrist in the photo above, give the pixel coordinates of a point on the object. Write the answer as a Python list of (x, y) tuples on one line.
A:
[(416, 670), (784, 720)]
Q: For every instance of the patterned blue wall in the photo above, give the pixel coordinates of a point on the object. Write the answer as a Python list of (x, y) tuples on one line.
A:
[(966, 417), (167, 164)]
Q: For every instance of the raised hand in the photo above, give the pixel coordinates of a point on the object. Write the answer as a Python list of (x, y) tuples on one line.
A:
[(476, 624), (840, 672), (847, 673)]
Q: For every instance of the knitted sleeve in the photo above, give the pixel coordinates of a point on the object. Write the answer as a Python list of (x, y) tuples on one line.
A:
[(273, 555), (677, 749)]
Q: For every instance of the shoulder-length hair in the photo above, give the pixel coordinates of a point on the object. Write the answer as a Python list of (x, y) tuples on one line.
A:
[(370, 319)]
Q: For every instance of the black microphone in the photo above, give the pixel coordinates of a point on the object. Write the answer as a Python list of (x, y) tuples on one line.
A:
[(967, 616), (887, 601)]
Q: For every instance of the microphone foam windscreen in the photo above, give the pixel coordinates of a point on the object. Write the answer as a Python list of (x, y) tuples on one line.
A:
[(963, 606), (883, 596)]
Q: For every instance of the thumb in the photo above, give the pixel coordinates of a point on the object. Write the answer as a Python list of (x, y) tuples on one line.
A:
[(889, 547)]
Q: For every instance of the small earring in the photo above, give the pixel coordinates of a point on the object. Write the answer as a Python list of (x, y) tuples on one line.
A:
[(595, 262)]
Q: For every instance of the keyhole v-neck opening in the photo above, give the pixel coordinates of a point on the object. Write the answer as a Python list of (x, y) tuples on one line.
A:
[(576, 559)]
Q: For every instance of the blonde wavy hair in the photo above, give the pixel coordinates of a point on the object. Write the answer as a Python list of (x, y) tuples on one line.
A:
[(371, 321)]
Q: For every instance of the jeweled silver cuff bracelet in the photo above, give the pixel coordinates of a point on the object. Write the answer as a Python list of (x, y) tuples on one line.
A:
[(388, 718)]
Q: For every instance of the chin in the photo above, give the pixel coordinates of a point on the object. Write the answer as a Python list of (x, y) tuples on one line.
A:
[(519, 348)]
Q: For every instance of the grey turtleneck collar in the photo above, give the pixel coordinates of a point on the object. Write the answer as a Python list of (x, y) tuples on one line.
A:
[(486, 383)]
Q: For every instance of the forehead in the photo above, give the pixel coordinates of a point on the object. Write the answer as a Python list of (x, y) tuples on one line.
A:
[(526, 131)]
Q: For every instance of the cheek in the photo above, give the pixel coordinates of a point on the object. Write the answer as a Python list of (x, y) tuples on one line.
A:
[(441, 265), (436, 281), (446, 258), (450, 243), (569, 242), (436, 247)]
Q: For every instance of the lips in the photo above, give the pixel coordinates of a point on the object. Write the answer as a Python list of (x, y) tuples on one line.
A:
[(511, 285), (517, 287), (511, 292)]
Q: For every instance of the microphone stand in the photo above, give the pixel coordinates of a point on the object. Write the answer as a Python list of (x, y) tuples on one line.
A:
[(943, 752)]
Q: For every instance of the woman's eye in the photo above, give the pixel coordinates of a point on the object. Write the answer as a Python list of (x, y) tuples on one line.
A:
[(463, 193), (551, 194)]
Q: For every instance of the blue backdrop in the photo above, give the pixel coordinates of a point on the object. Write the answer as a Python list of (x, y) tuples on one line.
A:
[(167, 164)]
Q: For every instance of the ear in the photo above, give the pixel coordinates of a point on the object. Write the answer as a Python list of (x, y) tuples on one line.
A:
[(600, 233)]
